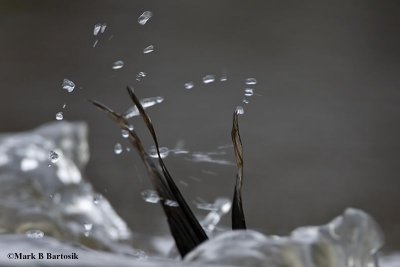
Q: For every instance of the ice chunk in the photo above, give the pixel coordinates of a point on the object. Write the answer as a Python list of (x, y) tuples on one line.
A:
[(349, 240)]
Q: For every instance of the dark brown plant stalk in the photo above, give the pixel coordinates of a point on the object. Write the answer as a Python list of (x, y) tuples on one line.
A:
[(238, 219), (185, 228)]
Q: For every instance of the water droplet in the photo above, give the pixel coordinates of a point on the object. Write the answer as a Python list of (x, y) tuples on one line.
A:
[(53, 156), (250, 81), (34, 234), (95, 43), (246, 101), (59, 116), (223, 78), (68, 85), (118, 65), (248, 92), (189, 85), (171, 203), (64, 106), (96, 29), (164, 151), (130, 127), (103, 27), (140, 75), (208, 79), (146, 102), (97, 198), (125, 133), (145, 17), (150, 196), (118, 148), (239, 110), (148, 49), (99, 28)]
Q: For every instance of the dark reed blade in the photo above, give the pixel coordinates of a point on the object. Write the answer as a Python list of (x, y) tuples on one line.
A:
[(238, 219), (182, 231), (199, 232)]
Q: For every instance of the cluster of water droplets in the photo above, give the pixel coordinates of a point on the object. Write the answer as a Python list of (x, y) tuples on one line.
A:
[(98, 29), (34, 234), (207, 79), (151, 196), (219, 208)]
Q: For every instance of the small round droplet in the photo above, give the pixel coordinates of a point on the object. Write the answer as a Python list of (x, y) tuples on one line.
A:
[(239, 110), (68, 85), (145, 17), (223, 78), (59, 116), (208, 79), (189, 85), (118, 65), (140, 75), (148, 49), (130, 127), (125, 133), (150, 196), (34, 234), (53, 156), (118, 148), (251, 81), (246, 101), (248, 92), (164, 151)]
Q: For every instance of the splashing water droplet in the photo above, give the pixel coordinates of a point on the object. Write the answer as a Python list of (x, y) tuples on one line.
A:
[(189, 85), (59, 116), (248, 92), (34, 234), (150, 196), (208, 79), (250, 81), (118, 65), (223, 78), (246, 101), (125, 133), (99, 28), (96, 29), (239, 110), (103, 27), (53, 156), (146, 102), (140, 75), (68, 85), (148, 49), (118, 148), (164, 151), (171, 203), (145, 17)]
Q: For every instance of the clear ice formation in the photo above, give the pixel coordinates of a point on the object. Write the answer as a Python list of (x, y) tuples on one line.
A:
[(350, 240), (54, 199), (53, 209)]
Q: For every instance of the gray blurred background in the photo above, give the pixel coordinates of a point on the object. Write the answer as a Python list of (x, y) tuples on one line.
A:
[(323, 136)]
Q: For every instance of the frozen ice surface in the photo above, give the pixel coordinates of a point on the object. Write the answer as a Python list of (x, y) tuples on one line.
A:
[(350, 240), (57, 200)]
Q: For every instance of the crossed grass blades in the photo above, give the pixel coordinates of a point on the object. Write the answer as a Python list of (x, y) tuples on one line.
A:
[(184, 226)]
